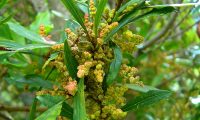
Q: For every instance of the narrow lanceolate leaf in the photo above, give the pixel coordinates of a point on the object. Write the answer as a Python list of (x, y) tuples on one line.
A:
[(49, 100), (129, 18), (52, 113), (138, 88), (33, 109), (114, 66), (35, 81), (13, 47), (52, 57), (154, 11), (79, 112), (67, 111), (76, 13), (70, 61), (10, 45), (5, 19), (20, 30), (98, 15), (151, 97)]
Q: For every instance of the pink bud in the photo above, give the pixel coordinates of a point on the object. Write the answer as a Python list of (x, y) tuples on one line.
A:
[(71, 87)]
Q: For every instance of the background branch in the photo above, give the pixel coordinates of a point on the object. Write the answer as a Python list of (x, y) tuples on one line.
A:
[(188, 28), (160, 34), (20, 109)]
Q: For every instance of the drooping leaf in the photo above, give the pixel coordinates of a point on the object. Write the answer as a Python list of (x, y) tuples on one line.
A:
[(49, 100), (76, 13), (9, 44), (79, 112), (13, 47), (114, 66), (70, 61), (52, 113), (98, 15), (129, 18), (151, 97), (67, 111), (20, 30)]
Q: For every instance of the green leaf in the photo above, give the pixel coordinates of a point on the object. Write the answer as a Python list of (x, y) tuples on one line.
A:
[(35, 81), (155, 11), (98, 15), (33, 109), (20, 30), (73, 25), (138, 88), (129, 18), (42, 18), (52, 57), (2, 3), (52, 113), (17, 62), (114, 66), (13, 47), (83, 6), (67, 111), (70, 61), (76, 13), (5, 19), (151, 97), (49, 100), (79, 112)]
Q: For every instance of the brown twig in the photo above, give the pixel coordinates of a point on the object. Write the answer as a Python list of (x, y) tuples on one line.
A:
[(188, 28), (20, 109), (161, 33)]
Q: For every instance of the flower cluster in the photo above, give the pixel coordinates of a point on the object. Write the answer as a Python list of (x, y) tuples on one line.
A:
[(83, 70), (128, 41), (109, 15), (110, 112), (43, 33), (129, 74), (92, 8), (107, 29), (94, 58)]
